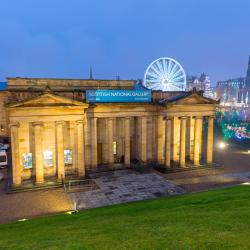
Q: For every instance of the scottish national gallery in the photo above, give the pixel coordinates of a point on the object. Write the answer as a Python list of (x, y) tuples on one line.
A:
[(61, 128)]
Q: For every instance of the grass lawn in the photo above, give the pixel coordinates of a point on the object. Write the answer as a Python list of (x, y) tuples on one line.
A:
[(218, 219)]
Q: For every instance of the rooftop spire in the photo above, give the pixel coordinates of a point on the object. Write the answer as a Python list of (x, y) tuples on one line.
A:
[(248, 74), (90, 73)]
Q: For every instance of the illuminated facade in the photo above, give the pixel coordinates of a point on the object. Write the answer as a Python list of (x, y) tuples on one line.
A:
[(200, 83), (235, 91), (57, 133)]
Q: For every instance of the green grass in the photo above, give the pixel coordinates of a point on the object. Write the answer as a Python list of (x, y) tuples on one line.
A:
[(218, 219)]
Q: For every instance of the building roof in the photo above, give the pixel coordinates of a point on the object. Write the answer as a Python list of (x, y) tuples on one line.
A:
[(196, 96), (3, 86)]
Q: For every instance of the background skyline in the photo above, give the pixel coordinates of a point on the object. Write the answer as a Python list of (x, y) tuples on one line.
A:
[(63, 39)]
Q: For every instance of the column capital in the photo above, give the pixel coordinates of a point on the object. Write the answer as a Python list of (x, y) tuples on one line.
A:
[(80, 122), (14, 124), (94, 118), (161, 117), (34, 124), (127, 117), (183, 118), (60, 123), (169, 118), (211, 116), (198, 117)]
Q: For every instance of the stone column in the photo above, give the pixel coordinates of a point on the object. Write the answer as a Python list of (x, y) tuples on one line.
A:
[(176, 139), (60, 150), (143, 137), (16, 168), (38, 152), (197, 139), (210, 139), (110, 142), (94, 143), (80, 148), (201, 139), (160, 139), (168, 141), (183, 142), (127, 141), (191, 137)]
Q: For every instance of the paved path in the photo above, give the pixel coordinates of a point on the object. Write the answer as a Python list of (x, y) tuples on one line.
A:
[(125, 186), (33, 203)]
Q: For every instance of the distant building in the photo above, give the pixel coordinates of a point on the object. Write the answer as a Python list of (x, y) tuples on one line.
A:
[(248, 74), (200, 83), (231, 90), (234, 91)]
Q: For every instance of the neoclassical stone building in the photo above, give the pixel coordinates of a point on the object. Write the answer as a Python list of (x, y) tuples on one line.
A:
[(56, 133)]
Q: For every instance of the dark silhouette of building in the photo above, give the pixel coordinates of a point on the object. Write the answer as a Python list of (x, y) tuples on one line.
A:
[(248, 75)]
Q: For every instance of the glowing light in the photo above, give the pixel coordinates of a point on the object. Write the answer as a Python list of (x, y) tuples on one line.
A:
[(222, 145), (21, 220), (72, 212), (165, 74), (245, 183)]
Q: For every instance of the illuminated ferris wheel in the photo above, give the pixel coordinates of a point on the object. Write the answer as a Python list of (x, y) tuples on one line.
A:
[(165, 74)]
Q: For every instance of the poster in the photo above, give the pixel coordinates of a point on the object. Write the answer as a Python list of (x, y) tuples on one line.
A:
[(27, 160), (68, 157), (48, 158)]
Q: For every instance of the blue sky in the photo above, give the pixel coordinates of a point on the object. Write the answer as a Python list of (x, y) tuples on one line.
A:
[(61, 38)]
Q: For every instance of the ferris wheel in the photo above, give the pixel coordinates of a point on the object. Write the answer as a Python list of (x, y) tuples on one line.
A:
[(165, 74)]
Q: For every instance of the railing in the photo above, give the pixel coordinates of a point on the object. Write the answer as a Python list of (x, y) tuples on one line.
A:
[(81, 185)]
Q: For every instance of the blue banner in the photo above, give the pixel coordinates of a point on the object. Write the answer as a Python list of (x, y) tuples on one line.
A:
[(93, 96)]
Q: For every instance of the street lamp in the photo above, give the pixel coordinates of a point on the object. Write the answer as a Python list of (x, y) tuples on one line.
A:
[(222, 145)]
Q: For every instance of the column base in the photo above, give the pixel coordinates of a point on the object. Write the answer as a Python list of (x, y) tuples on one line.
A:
[(184, 166), (61, 177), (39, 183), (111, 166), (93, 167), (15, 185), (81, 174)]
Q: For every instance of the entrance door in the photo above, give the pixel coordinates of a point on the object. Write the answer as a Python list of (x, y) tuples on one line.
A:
[(99, 153)]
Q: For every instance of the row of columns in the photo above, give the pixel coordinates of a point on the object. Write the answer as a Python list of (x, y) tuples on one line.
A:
[(38, 157), (165, 134), (110, 132), (197, 140)]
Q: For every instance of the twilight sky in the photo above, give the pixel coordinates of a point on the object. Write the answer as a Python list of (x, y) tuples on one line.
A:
[(62, 38)]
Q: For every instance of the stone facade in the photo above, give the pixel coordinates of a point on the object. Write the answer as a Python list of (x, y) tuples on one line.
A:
[(51, 116)]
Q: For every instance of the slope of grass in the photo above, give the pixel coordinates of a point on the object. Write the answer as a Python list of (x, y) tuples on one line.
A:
[(218, 219)]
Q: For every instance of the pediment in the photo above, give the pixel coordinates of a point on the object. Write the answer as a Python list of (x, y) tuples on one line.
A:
[(47, 100), (194, 99), (189, 98)]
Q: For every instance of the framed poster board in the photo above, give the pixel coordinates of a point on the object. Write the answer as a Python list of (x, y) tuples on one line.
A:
[(68, 159), (27, 160), (48, 158)]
